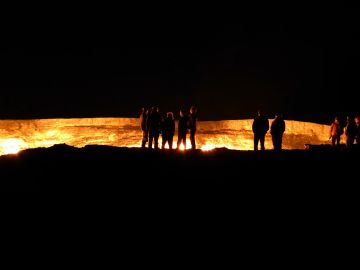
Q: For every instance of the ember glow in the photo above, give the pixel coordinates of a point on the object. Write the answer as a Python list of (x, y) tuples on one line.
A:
[(208, 147), (11, 146), (16, 135)]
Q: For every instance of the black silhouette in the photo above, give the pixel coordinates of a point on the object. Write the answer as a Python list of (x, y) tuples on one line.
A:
[(350, 132), (192, 125), (30, 171), (335, 132), (153, 123), (277, 130), (143, 125), (260, 127), (182, 129), (168, 130)]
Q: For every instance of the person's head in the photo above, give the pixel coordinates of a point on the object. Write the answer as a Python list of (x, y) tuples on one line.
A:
[(349, 120), (193, 109), (170, 115), (259, 112), (181, 113), (357, 120), (156, 109), (336, 120)]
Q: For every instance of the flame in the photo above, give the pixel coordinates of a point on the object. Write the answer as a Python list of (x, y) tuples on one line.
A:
[(125, 132), (11, 146), (208, 147), (182, 147)]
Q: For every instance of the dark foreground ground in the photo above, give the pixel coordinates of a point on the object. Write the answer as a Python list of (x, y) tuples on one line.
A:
[(298, 206), (319, 170)]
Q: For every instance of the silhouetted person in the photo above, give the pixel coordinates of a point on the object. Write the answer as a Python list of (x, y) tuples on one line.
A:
[(277, 130), (182, 129), (168, 130), (357, 130), (192, 125), (350, 132), (335, 132), (143, 125), (260, 127), (153, 123)]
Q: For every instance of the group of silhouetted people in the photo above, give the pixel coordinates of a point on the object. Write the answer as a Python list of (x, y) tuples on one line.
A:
[(351, 129), (260, 127), (153, 124)]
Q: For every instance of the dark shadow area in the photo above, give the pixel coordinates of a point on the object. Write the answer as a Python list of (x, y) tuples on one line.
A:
[(319, 173), (307, 198)]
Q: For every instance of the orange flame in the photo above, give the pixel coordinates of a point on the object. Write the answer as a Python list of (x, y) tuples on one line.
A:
[(11, 146), (16, 135)]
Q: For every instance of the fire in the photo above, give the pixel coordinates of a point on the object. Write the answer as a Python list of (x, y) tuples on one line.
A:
[(208, 147), (11, 146), (182, 147), (125, 132)]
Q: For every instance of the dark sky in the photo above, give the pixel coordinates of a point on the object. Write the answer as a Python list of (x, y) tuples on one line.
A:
[(302, 63)]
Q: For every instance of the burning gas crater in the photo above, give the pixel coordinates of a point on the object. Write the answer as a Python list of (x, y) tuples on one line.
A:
[(17, 135)]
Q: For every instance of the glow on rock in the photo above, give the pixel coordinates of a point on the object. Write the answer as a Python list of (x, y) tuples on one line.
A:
[(16, 135), (11, 146)]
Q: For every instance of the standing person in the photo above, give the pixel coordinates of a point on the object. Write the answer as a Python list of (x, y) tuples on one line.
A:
[(143, 125), (153, 123), (350, 132), (335, 132), (277, 130), (168, 130), (260, 127), (192, 126), (182, 130), (357, 130)]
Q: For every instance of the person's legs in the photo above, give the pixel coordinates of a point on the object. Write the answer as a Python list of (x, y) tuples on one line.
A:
[(192, 139), (273, 138), (275, 141), (156, 140), (256, 142), (262, 142), (184, 141), (170, 141), (151, 137), (349, 141), (180, 138), (163, 142), (144, 139)]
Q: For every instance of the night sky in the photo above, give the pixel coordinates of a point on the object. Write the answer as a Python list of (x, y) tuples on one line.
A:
[(303, 64)]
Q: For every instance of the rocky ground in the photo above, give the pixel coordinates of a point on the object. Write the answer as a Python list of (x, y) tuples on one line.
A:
[(318, 170)]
